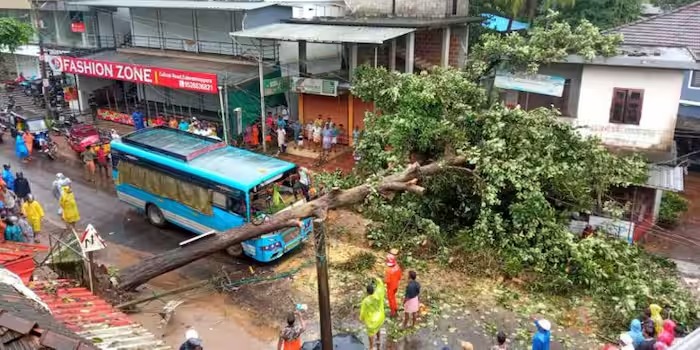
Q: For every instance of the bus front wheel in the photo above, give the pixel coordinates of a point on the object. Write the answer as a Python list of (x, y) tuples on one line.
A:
[(155, 216), (235, 250)]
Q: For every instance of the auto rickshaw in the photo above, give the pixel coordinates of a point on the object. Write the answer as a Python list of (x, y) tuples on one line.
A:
[(36, 124)]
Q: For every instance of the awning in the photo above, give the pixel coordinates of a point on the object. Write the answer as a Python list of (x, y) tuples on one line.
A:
[(666, 178), (318, 33), (167, 4)]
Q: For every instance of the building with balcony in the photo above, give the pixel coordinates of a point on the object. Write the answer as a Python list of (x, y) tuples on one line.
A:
[(400, 35), (175, 60)]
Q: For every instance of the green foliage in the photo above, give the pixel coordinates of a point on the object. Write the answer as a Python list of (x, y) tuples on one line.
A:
[(671, 4), (549, 41), (603, 14), (359, 262), (527, 172), (14, 33), (673, 205)]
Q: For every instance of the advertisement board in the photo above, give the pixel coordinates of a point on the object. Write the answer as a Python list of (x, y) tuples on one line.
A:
[(166, 77), (536, 83), (315, 86)]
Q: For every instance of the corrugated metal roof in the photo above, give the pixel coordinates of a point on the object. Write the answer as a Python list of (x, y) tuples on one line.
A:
[(93, 318), (175, 4), (666, 178), (19, 257), (319, 33)]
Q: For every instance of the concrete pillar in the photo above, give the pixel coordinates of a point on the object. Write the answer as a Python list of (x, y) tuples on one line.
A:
[(410, 52), (445, 52), (353, 60), (657, 204), (57, 28), (392, 55), (195, 30), (303, 68)]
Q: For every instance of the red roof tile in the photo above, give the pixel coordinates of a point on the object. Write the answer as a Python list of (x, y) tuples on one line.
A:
[(19, 257)]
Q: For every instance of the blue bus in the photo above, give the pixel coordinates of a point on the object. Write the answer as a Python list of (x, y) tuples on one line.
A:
[(203, 185)]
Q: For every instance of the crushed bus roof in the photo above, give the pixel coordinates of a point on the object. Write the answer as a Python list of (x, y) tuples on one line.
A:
[(203, 157)]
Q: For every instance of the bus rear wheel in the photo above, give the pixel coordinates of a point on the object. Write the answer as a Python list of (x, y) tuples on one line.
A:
[(155, 216), (235, 250)]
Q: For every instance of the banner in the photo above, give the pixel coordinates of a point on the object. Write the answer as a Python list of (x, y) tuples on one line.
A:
[(171, 78), (315, 86), (275, 86), (536, 83)]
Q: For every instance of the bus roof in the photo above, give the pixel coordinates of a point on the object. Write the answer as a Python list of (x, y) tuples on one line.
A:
[(235, 167)]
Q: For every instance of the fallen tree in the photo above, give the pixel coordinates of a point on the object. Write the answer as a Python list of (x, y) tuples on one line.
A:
[(404, 181)]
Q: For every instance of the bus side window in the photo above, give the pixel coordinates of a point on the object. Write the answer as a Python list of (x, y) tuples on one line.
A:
[(237, 204), (218, 200)]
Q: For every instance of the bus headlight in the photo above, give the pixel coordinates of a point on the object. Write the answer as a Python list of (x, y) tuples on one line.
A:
[(271, 247)]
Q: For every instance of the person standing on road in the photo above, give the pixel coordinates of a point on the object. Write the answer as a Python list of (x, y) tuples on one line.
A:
[(137, 118), (69, 208), (9, 200), (58, 184), (21, 149), (102, 163), (27, 231), (372, 311), (290, 337), (411, 303), (13, 232), (649, 340), (636, 332), (501, 339), (29, 142), (192, 341), (89, 161), (392, 278), (22, 188), (34, 213), (655, 310), (8, 177)]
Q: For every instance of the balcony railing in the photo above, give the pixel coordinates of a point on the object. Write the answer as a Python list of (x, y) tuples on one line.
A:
[(270, 52), (88, 41)]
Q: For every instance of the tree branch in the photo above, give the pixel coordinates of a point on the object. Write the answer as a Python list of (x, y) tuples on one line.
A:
[(406, 180)]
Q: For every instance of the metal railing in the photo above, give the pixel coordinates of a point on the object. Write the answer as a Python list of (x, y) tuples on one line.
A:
[(89, 41), (270, 52)]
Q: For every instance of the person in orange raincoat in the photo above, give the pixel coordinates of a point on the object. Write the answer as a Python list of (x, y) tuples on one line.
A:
[(29, 141), (255, 136), (392, 277)]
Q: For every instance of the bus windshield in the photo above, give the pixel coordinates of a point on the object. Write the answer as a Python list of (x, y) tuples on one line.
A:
[(275, 196)]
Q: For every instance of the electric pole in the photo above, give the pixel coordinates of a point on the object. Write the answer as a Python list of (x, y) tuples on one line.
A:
[(42, 56), (324, 300)]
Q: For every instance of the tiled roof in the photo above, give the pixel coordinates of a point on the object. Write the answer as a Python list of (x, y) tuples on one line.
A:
[(94, 318), (19, 257), (26, 325), (680, 27)]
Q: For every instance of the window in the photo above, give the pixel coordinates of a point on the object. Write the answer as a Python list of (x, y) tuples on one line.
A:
[(530, 100), (695, 79), (235, 203), (626, 107)]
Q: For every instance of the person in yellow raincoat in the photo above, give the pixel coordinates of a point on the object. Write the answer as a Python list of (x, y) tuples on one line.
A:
[(34, 213), (372, 310), (69, 207), (656, 317)]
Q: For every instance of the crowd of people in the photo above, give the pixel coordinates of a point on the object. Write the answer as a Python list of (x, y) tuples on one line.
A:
[(651, 331), (193, 125)]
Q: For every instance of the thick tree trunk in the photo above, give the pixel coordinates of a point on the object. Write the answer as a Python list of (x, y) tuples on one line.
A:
[(142, 272)]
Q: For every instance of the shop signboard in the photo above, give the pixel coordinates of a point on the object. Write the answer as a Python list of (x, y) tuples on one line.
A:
[(166, 77), (315, 86), (536, 83), (275, 86)]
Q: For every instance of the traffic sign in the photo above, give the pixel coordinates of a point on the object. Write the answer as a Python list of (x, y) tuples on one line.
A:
[(90, 241)]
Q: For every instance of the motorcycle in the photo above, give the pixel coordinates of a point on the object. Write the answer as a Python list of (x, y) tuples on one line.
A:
[(46, 145)]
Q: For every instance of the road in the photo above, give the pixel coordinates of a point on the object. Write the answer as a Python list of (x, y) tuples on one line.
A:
[(129, 238)]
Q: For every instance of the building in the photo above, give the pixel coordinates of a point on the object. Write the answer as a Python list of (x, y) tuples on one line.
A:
[(177, 59), (679, 28), (26, 322), (400, 35), (63, 28)]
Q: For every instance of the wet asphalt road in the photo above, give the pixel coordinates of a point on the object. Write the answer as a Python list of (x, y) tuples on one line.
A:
[(116, 221)]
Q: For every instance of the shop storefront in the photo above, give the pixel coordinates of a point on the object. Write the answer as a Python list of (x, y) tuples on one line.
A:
[(318, 97), (117, 89)]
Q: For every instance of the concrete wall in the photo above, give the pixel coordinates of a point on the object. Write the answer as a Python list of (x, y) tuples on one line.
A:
[(408, 8), (662, 90)]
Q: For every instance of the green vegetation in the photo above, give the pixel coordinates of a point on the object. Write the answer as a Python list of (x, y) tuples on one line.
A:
[(673, 205), (14, 33), (506, 211)]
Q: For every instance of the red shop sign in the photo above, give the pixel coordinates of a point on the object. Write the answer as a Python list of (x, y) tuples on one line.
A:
[(77, 27), (172, 78)]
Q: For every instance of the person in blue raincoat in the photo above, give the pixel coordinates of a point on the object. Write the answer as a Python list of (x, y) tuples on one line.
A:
[(8, 177), (542, 338), (21, 148), (636, 332), (137, 117), (13, 232)]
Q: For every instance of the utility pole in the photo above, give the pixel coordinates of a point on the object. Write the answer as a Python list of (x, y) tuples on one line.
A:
[(324, 300), (42, 55), (261, 73)]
